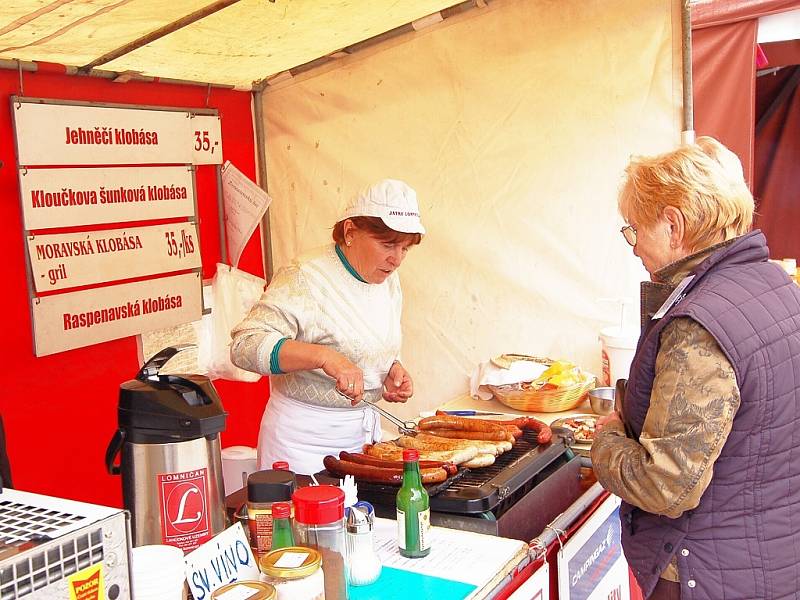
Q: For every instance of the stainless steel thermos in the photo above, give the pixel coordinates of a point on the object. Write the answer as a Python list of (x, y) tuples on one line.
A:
[(170, 460)]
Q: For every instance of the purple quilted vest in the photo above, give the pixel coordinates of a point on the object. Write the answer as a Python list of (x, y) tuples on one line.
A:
[(743, 539)]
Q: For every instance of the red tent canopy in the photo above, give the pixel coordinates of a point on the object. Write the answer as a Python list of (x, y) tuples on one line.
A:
[(729, 100)]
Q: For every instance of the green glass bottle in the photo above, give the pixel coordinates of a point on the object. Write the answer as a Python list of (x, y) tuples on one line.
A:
[(413, 510), (282, 536)]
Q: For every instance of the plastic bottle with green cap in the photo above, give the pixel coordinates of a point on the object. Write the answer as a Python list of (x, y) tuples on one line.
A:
[(413, 510)]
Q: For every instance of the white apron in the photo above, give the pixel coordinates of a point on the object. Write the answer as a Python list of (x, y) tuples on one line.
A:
[(302, 434)]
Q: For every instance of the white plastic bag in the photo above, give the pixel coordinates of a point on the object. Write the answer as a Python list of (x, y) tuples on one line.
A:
[(234, 294)]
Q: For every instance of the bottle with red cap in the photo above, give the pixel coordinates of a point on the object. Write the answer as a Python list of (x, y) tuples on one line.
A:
[(282, 536), (413, 510), (319, 523)]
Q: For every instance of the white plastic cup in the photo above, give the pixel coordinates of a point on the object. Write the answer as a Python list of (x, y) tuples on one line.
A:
[(617, 347), (237, 463), (157, 572)]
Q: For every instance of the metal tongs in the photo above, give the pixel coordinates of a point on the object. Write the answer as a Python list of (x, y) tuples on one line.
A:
[(404, 427)]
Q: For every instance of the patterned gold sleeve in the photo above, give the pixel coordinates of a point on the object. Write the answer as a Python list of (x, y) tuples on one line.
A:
[(283, 310), (694, 399)]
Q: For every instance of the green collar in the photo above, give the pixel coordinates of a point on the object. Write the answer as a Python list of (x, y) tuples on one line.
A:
[(347, 264)]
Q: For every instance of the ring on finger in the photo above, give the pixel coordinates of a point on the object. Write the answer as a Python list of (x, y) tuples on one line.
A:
[(351, 385)]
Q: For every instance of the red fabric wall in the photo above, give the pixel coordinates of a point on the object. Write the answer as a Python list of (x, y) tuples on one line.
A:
[(723, 67), (723, 70), (60, 410), (777, 151)]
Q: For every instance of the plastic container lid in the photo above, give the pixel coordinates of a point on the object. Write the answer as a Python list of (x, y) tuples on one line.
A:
[(281, 510), (270, 486), (272, 565), (257, 590), (280, 465), (318, 504), (410, 455), (619, 338)]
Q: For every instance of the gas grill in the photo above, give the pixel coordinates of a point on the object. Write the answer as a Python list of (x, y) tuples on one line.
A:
[(516, 497)]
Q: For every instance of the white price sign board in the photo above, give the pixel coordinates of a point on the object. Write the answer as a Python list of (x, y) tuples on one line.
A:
[(591, 565), (206, 140), (537, 587), (67, 260), (76, 319), (71, 134), (63, 134), (87, 196)]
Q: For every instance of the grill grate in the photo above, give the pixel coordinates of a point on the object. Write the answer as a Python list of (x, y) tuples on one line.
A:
[(498, 487), (21, 522), (477, 478)]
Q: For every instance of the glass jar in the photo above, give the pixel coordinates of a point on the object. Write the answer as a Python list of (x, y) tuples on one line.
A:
[(319, 524), (264, 488), (251, 590), (295, 573)]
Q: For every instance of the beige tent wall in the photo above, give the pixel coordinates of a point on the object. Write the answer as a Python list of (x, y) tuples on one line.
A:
[(514, 124)]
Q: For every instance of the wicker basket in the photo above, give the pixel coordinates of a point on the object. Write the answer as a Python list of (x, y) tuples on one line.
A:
[(555, 400)]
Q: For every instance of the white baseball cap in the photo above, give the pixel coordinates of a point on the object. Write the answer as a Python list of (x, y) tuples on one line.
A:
[(394, 201)]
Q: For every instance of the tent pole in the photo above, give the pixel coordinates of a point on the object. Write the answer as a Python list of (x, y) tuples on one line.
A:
[(261, 163), (687, 135), (159, 33), (33, 67)]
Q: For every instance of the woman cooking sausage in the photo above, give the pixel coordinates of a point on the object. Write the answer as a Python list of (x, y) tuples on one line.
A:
[(327, 329)]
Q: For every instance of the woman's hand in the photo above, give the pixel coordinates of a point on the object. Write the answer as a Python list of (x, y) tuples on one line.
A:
[(613, 418), (349, 378), (397, 385)]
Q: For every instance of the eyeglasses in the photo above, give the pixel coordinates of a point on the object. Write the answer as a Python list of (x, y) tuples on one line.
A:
[(629, 233)]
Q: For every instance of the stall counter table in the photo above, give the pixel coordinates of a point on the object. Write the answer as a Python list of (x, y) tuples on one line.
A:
[(461, 565)]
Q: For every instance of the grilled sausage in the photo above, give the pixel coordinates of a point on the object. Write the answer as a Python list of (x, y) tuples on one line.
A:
[(425, 441), (482, 460), (393, 452), (483, 446), (543, 430), (379, 474), (544, 433), (514, 426), (365, 459), (484, 436), (513, 430), (451, 422)]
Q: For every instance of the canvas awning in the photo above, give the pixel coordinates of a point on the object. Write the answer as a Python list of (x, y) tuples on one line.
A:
[(242, 42)]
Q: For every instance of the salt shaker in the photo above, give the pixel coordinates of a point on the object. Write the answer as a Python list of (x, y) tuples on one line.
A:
[(363, 565)]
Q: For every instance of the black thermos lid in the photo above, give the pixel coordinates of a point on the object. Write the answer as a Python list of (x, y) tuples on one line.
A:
[(161, 409), (270, 486)]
